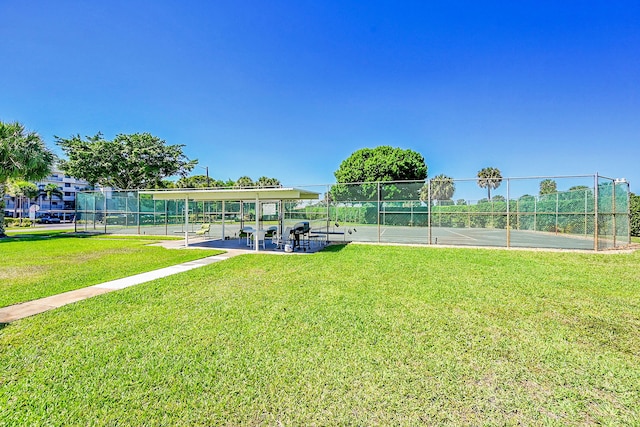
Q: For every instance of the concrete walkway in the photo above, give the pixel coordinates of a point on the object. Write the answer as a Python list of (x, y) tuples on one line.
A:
[(26, 309)]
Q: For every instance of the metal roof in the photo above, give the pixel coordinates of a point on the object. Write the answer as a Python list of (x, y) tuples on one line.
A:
[(218, 194)]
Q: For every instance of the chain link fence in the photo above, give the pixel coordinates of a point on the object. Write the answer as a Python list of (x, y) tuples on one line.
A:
[(588, 212)]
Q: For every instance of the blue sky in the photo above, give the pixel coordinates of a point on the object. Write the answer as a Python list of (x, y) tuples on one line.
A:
[(289, 89)]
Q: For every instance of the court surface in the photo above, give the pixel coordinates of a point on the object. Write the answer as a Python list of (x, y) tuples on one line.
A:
[(406, 235)]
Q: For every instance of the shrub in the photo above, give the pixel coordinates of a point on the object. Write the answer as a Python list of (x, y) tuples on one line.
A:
[(634, 220), (15, 222)]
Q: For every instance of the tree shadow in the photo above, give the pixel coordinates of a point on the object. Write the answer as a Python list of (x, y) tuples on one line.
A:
[(334, 247), (3, 325), (26, 237)]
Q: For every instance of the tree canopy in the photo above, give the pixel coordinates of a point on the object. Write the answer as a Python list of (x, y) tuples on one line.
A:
[(51, 190), (489, 178), (548, 186), (383, 163), (442, 188), (200, 181), (380, 164), (23, 155), (266, 182), (133, 161)]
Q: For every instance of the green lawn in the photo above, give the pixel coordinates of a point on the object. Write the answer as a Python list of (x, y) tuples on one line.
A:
[(360, 335), (41, 263)]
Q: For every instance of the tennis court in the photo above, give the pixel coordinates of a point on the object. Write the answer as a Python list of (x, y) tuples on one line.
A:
[(468, 237), (588, 212)]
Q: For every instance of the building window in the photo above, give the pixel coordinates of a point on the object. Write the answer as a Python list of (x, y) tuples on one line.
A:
[(67, 194), (67, 184)]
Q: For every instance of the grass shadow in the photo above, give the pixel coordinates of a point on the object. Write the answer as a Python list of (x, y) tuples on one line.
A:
[(3, 325), (334, 247)]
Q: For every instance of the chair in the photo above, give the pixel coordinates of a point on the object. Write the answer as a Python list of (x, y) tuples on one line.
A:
[(272, 230), (260, 235), (281, 239), (204, 229)]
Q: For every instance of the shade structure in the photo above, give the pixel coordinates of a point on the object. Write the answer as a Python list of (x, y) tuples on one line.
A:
[(231, 194), (218, 194)]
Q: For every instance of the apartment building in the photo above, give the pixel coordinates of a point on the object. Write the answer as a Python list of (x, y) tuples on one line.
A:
[(62, 207)]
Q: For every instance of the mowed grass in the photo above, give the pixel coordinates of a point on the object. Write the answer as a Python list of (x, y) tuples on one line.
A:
[(360, 335), (47, 263)]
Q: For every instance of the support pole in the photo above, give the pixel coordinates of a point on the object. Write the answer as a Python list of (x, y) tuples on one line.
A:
[(378, 212), (256, 234), (186, 222), (586, 197), (105, 212), (557, 202), (138, 211), (508, 218), (613, 209), (595, 213), (223, 215), (429, 210)]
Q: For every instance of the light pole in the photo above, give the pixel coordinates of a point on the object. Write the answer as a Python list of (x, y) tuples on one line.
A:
[(206, 168)]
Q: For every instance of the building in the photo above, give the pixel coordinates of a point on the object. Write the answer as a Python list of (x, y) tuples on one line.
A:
[(62, 207)]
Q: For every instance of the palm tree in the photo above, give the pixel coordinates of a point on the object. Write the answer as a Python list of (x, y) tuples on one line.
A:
[(548, 186), (23, 191), (442, 188), (489, 178), (23, 155), (266, 182), (244, 182), (51, 190)]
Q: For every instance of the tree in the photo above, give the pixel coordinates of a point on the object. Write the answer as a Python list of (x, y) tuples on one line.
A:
[(380, 164), (166, 183), (195, 181), (579, 188), (548, 186), (489, 178), (51, 190), (266, 182), (244, 182), (383, 163), (22, 191), (200, 181), (133, 161), (442, 188), (23, 155)]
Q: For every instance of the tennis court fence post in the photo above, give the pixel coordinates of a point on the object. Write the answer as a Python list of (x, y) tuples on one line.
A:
[(508, 216), (378, 211), (613, 206), (429, 209), (595, 213)]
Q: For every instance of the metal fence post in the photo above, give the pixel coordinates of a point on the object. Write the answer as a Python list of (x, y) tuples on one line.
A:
[(585, 212), (613, 210), (378, 211), (429, 209), (557, 203), (104, 195), (508, 218), (595, 213), (138, 210)]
